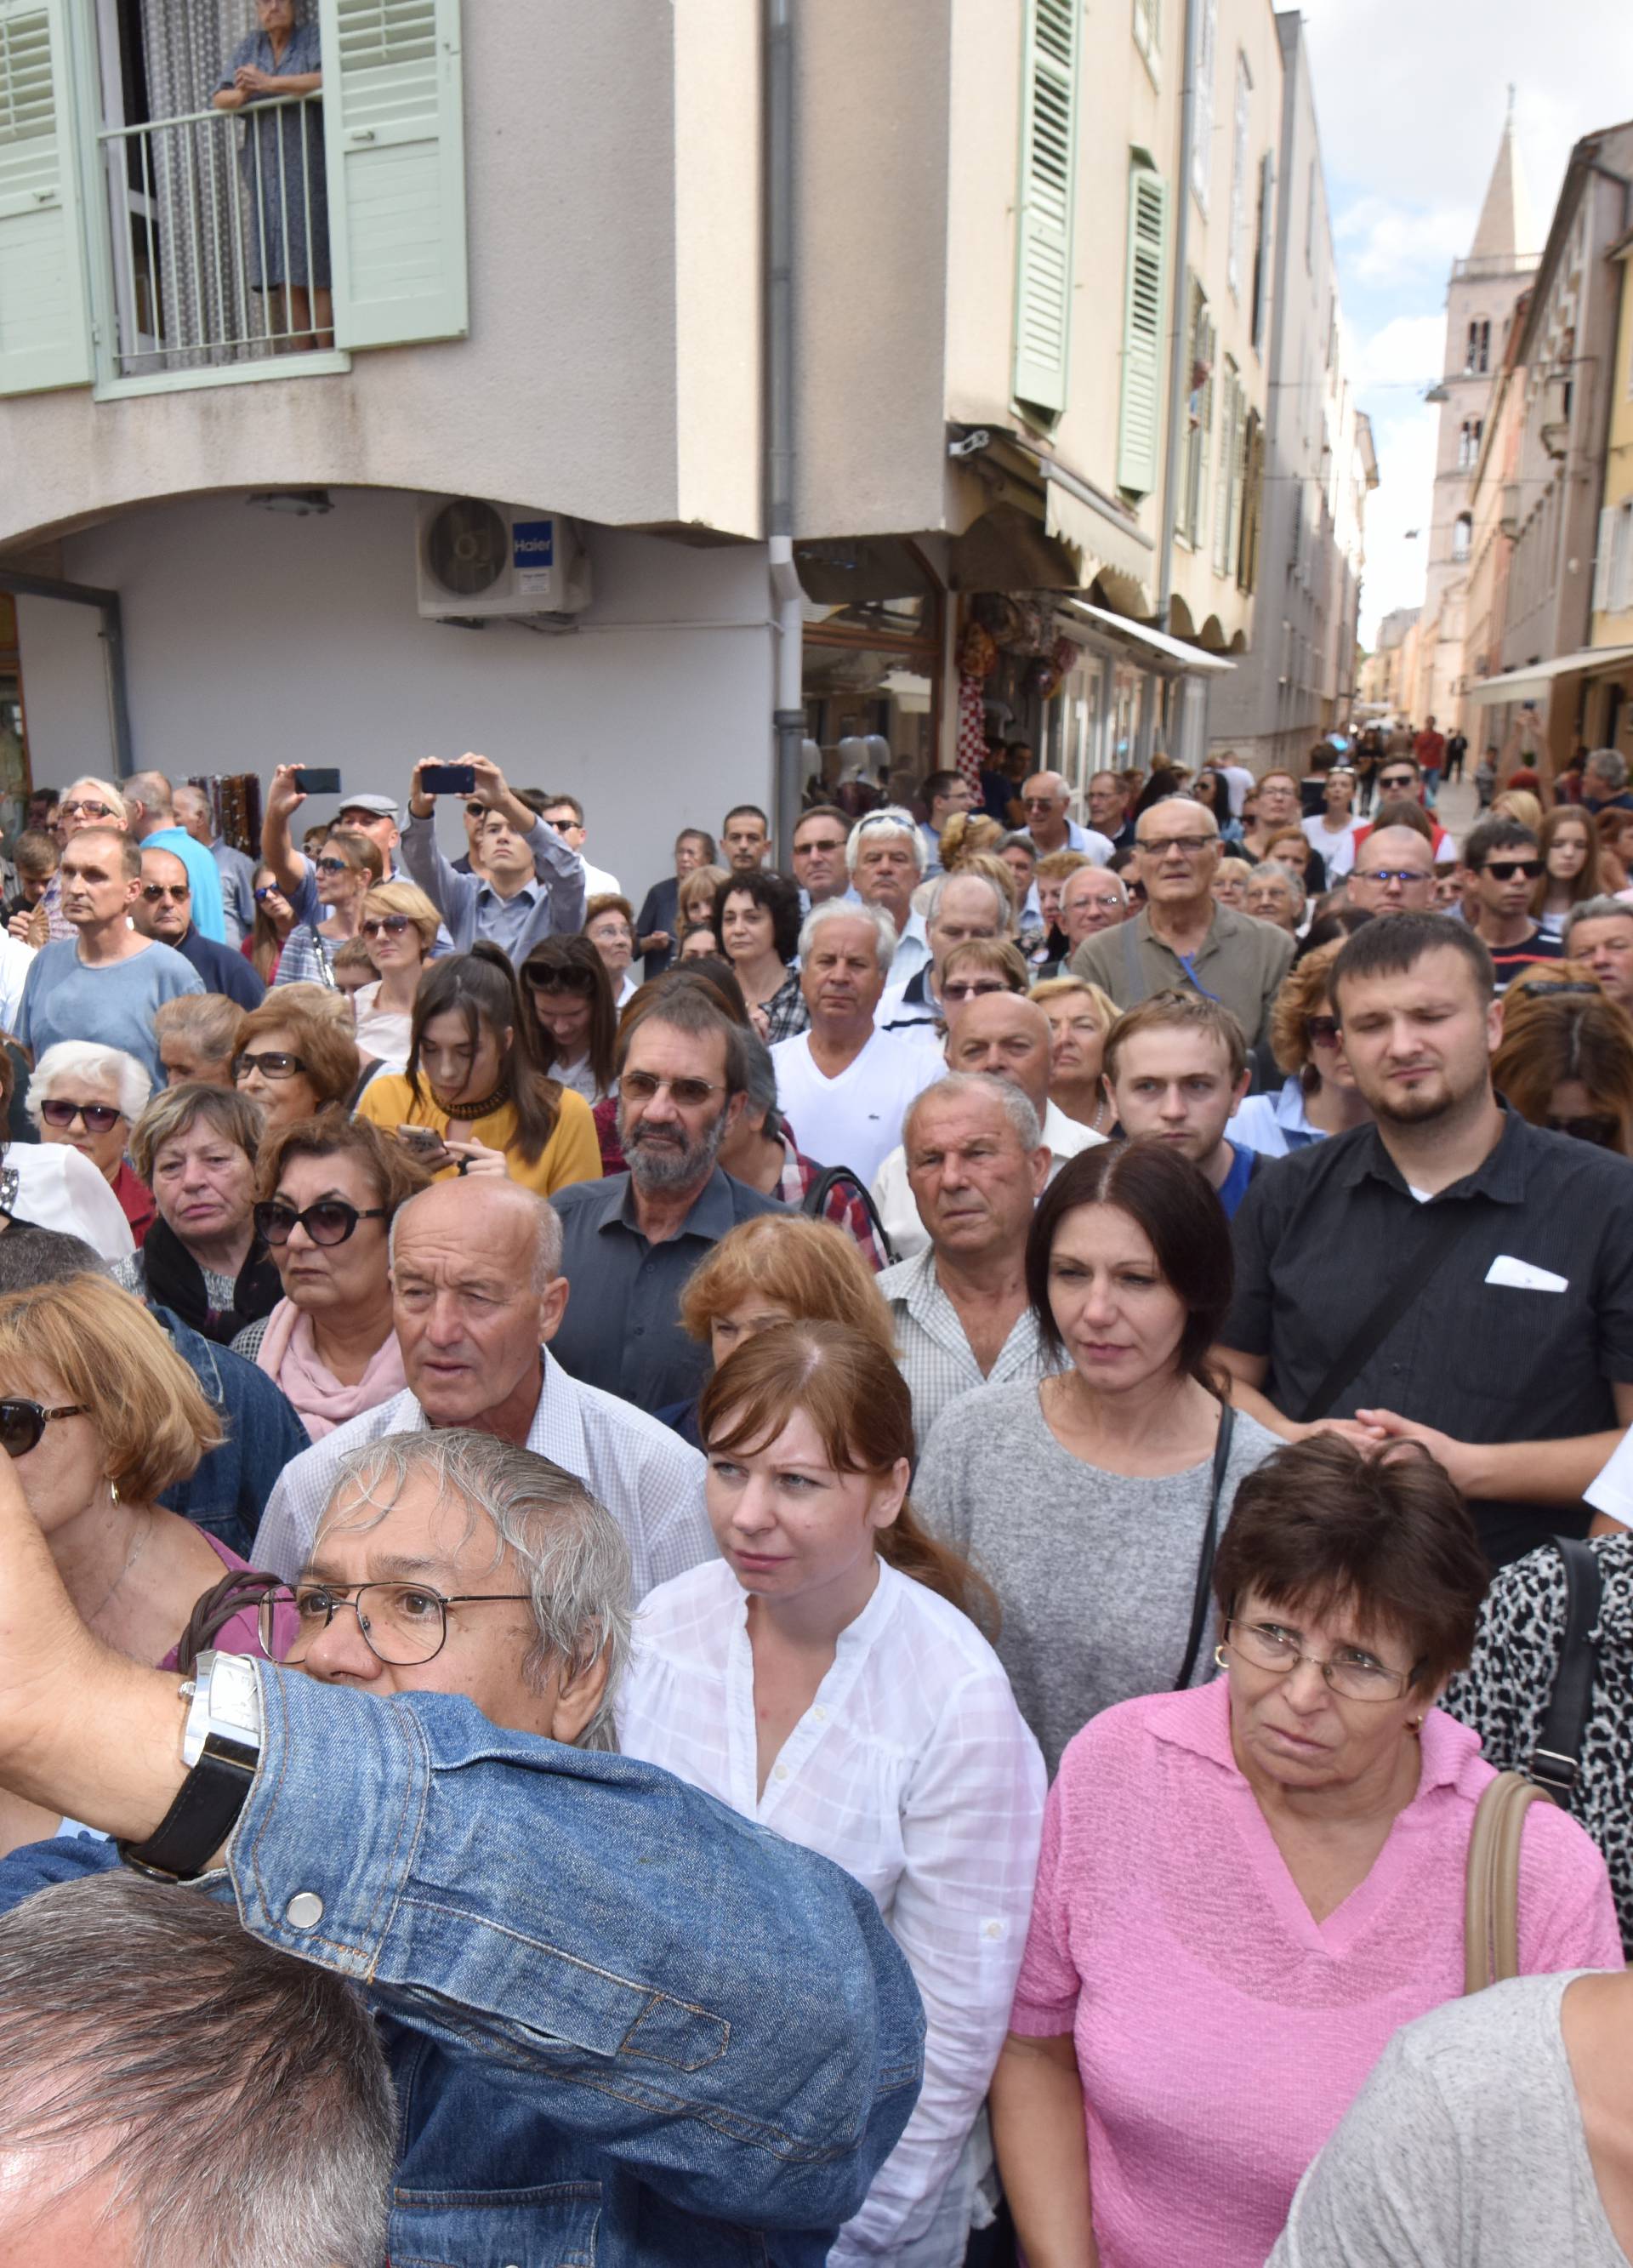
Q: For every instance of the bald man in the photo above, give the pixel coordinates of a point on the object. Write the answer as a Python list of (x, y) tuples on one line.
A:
[(1394, 872), (997, 1035)]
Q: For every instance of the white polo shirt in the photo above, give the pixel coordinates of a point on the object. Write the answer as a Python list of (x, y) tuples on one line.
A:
[(856, 1119)]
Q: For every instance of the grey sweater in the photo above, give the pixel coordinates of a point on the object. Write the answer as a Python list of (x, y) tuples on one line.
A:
[(1095, 1573), (1465, 2149)]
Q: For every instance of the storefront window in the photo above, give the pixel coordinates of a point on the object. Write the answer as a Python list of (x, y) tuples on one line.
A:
[(873, 656)]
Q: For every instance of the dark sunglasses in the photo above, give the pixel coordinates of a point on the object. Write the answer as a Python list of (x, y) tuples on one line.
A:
[(546, 979), (153, 891), (388, 926), (1403, 781), (275, 1066), (22, 1423), (1601, 1130), (334, 865), (266, 890), (1504, 869), (1323, 1031), (330, 1221), (100, 1117)]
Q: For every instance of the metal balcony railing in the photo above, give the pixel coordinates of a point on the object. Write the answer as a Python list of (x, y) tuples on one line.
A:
[(220, 237)]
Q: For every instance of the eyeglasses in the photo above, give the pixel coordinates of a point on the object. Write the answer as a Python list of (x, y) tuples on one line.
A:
[(1602, 1129), (1404, 781), (334, 865), (388, 926), (22, 1423), (1504, 870), (85, 811), (400, 1622), (98, 1117), (818, 842), (274, 1065), (1405, 876), (686, 1093), (973, 988), (330, 1221), (1188, 846), (1323, 1031), (1350, 1672), (174, 891), (1040, 802), (266, 890), (543, 978)]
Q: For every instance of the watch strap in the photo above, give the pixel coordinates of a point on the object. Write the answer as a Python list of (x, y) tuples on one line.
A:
[(201, 1817)]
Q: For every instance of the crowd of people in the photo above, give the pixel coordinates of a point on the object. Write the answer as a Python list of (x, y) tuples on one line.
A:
[(1044, 1399)]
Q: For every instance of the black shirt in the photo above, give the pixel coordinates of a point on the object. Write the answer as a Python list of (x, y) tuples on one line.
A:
[(1321, 1234), (223, 969)]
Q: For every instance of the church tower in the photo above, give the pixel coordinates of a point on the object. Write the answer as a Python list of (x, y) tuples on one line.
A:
[(1481, 298)]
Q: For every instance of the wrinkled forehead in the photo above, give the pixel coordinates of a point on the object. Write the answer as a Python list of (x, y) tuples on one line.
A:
[(383, 1525)]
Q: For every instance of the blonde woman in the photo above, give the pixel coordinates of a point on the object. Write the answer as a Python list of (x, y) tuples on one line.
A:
[(1081, 1016), (398, 928)]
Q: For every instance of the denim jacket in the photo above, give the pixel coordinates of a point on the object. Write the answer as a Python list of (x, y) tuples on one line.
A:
[(228, 1493), (627, 2027)]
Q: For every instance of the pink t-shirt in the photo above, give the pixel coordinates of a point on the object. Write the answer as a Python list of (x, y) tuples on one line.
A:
[(242, 1634), (1221, 2031)]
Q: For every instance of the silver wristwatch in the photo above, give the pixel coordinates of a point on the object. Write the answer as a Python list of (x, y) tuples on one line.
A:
[(221, 1748)]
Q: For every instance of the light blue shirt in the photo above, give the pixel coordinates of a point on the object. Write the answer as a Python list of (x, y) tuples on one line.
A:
[(203, 874), (112, 1002)]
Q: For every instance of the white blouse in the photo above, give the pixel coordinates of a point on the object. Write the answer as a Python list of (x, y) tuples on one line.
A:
[(913, 1770)]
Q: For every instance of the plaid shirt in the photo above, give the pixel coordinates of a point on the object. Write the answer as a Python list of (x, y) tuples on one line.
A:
[(786, 1013), (842, 1205)]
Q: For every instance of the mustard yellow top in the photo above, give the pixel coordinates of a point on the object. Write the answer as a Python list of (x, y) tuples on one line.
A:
[(571, 1154)]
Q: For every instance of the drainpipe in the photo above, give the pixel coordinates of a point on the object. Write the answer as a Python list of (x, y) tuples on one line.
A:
[(113, 634), (788, 717), (1179, 373)]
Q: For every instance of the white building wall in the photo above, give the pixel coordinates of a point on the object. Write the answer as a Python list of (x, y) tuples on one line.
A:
[(255, 639)]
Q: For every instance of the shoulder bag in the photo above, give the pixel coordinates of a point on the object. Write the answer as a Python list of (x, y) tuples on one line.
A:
[(1210, 1545), (1491, 1893), (817, 1195), (1556, 1759)]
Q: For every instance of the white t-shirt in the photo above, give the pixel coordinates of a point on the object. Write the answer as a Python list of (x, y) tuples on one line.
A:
[(16, 960), (1337, 850), (379, 1031), (856, 1119)]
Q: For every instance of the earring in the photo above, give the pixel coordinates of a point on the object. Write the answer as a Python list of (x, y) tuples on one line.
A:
[(1221, 1657), (1415, 1724), (113, 1489)]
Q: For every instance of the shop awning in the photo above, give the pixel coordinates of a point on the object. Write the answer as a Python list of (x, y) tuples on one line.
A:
[(1540, 677), (1157, 646), (1103, 546)]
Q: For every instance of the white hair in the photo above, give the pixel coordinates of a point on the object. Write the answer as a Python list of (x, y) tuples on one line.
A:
[(892, 819), (547, 1246), (83, 1062), (833, 909), (936, 890), (105, 792), (1015, 1105)]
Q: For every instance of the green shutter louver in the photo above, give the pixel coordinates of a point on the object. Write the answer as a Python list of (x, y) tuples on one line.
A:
[(393, 130), (1145, 293), (44, 327), (1048, 171)]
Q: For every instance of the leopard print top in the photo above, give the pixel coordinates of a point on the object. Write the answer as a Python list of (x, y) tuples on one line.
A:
[(1502, 1695)]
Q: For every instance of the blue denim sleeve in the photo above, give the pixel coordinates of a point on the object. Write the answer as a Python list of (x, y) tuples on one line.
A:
[(720, 2010), (65, 1858)]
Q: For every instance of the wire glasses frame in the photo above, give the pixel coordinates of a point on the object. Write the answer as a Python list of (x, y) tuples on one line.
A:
[(1357, 1678), (402, 1625)]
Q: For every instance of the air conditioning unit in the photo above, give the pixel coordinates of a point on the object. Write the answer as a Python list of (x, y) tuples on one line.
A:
[(480, 562)]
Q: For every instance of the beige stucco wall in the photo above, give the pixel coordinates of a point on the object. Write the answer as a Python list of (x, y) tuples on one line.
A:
[(603, 376)]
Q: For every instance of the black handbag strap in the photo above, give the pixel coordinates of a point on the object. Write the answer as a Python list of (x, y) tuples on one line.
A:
[(1447, 1224), (1556, 1759), (1210, 1545), (831, 1178)]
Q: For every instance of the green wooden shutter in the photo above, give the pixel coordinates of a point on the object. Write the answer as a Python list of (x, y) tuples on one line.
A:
[(1145, 293), (45, 324), (394, 132), (1048, 171)]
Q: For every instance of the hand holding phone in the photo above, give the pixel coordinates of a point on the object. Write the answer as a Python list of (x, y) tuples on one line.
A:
[(316, 781), (425, 1143), (447, 779)]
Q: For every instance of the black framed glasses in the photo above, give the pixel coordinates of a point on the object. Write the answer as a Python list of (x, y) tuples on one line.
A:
[(388, 926), (330, 1221), (98, 1117), (686, 1093), (85, 811), (1351, 1672), (1600, 1128), (1504, 870), (541, 977), (273, 1064), (334, 865), (153, 891), (1188, 846), (266, 890), (1323, 1031), (1402, 784), (401, 1623), (973, 988), (22, 1422)]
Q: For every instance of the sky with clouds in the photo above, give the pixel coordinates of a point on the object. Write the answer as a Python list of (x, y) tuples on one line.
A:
[(1410, 96)]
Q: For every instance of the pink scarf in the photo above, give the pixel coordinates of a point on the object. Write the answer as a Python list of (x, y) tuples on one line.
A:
[(289, 1359)]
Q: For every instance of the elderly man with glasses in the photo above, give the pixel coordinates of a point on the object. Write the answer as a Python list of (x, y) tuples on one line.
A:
[(699, 2041), (1044, 799), (1181, 937), (957, 908), (165, 911)]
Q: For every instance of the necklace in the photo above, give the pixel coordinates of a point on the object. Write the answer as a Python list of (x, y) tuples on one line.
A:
[(466, 1112), (131, 1557)]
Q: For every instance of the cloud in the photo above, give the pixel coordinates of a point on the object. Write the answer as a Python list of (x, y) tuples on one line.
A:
[(1382, 241), (1408, 350)]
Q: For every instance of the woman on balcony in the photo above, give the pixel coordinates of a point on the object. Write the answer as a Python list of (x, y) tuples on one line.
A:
[(288, 216)]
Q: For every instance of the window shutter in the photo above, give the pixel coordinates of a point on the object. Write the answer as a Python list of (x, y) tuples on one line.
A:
[(1146, 292), (45, 324), (1230, 420), (393, 131), (1261, 256), (1602, 557), (1622, 558), (1048, 171)]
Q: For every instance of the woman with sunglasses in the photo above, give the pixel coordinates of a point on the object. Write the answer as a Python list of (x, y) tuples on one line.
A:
[(566, 979), (1568, 843), (196, 1147), (89, 1097), (348, 867), (101, 1417), (1320, 1096), (293, 1062), (398, 928), (329, 1188), (275, 918), (474, 1098), (48, 1185)]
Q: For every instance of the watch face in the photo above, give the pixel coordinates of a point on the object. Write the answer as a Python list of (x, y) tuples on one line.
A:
[(234, 1695)]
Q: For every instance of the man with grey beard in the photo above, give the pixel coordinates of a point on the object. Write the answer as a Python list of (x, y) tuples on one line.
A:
[(631, 1241)]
